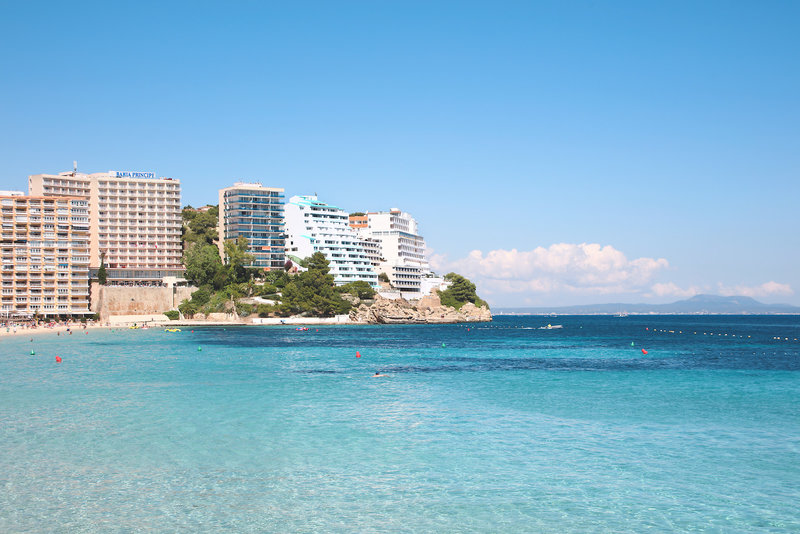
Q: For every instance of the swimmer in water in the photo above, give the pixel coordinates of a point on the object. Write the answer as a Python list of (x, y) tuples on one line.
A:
[(378, 375)]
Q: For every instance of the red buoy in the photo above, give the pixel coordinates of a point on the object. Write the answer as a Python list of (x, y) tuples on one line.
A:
[(58, 359), (644, 352), (358, 354)]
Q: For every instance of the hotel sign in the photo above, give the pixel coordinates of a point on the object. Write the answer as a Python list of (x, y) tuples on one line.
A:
[(131, 174)]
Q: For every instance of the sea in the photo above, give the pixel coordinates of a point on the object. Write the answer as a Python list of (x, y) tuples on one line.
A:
[(596, 424)]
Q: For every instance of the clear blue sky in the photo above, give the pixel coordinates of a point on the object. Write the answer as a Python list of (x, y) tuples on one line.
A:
[(536, 133)]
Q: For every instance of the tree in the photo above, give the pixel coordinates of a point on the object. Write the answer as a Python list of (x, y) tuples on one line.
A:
[(200, 226), (102, 275), (360, 289), (460, 292), (204, 267), (383, 277), (188, 308), (313, 292), (317, 261), (238, 260)]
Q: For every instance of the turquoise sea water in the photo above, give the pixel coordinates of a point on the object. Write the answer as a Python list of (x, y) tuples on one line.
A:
[(500, 427)]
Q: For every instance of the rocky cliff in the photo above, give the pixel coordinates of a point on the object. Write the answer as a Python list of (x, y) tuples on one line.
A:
[(427, 310)]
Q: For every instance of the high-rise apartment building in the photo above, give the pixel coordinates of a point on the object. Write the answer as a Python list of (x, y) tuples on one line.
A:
[(402, 249), (134, 220), (45, 254), (255, 212), (314, 226)]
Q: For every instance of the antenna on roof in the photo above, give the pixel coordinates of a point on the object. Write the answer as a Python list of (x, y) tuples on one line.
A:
[(74, 166)]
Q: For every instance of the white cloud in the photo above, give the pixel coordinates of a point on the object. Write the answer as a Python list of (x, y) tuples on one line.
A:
[(670, 289), (579, 268), (438, 262), (764, 290)]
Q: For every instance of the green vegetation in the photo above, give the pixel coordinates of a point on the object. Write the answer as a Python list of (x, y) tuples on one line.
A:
[(312, 292), (383, 277), (200, 226), (357, 214), (279, 279), (102, 275), (360, 289), (238, 260), (219, 285), (460, 292), (204, 266), (172, 315)]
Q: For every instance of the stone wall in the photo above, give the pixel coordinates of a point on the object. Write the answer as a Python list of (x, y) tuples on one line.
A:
[(109, 301)]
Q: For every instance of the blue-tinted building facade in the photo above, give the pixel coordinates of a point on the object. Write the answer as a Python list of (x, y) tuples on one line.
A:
[(254, 212)]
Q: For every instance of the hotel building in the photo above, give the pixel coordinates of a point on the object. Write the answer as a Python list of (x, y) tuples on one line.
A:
[(45, 254), (135, 221), (255, 212), (402, 249), (313, 226)]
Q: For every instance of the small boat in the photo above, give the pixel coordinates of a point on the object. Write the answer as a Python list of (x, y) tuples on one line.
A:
[(172, 330), (550, 327)]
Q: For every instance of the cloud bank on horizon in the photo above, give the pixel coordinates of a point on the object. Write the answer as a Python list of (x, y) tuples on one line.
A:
[(584, 270)]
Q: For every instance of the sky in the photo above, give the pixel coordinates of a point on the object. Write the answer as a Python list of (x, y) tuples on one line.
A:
[(555, 153)]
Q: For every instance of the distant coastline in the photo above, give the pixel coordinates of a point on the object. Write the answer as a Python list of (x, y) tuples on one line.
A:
[(697, 305)]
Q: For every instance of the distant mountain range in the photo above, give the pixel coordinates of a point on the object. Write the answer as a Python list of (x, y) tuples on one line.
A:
[(699, 304)]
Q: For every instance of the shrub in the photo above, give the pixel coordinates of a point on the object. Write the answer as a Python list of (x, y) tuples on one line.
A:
[(201, 296), (360, 289), (264, 310), (172, 315), (188, 308), (267, 290)]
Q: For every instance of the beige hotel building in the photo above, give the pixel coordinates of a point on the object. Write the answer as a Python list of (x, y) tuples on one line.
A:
[(134, 221), (44, 246)]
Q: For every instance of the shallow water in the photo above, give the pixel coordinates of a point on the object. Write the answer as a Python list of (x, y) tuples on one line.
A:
[(501, 427)]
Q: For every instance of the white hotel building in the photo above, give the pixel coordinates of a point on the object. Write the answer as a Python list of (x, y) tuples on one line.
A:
[(402, 249), (313, 226), (135, 220)]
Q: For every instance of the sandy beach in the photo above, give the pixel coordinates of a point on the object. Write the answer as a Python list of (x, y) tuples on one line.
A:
[(56, 330), (81, 329)]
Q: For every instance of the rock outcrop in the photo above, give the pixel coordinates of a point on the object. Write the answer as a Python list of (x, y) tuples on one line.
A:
[(427, 310)]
